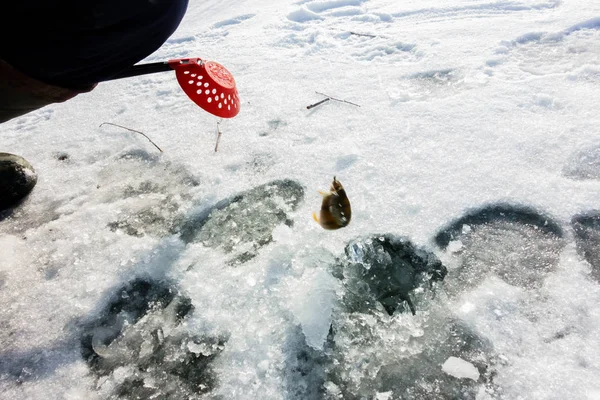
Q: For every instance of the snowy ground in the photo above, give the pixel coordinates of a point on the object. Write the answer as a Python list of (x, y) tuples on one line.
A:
[(134, 274)]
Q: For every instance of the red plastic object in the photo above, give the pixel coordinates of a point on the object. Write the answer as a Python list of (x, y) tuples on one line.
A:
[(209, 84)]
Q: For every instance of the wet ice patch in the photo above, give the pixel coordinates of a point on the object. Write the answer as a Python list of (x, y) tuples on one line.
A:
[(138, 347), (406, 358), (587, 236), (455, 363), (516, 243), (29, 216), (304, 368), (151, 200), (243, 224)]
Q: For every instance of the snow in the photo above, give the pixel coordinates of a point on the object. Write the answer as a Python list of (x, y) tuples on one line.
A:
[(476, 138)]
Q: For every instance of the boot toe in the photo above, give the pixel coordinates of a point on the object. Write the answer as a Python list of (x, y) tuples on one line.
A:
[(17, 179)]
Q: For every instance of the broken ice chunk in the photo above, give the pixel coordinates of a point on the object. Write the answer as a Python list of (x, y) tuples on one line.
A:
[(459, 368)]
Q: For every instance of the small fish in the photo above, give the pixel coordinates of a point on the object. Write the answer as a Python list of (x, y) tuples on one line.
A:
[(335, 209)]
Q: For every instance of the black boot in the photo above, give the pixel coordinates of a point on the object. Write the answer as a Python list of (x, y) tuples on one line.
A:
[(17, 179)]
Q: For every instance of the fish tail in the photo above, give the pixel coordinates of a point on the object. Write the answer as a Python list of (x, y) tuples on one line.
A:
[(316, 218)]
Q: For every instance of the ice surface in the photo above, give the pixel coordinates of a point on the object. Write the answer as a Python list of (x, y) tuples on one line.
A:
[(475, 141)]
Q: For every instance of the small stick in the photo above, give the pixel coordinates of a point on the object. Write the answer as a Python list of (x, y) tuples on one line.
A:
[(218, 135), (362, 34), (333, 98), (133, 130), (317, 104)]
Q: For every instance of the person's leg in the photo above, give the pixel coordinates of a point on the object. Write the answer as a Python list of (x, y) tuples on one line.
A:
[(21, 94), (75, 44), (62, 48), (58, 49)]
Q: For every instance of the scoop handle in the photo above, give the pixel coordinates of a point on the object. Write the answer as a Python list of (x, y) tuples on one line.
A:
[(142, 69), (151, 68)]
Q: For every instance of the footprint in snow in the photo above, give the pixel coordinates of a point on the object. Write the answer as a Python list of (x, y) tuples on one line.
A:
[(474, 9), (233, 21), (319, 10), (572, 52)]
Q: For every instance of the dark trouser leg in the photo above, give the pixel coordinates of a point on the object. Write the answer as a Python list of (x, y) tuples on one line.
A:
[(14, 103), (20, 94)]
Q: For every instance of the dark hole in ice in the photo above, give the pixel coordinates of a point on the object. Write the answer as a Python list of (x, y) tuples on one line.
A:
[(138, 345), (245, 220), (513, 242), (587, 236), (387, 269), (498, 212), (62, 157)]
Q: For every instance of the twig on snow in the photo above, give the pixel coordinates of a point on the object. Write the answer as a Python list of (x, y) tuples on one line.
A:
[(218, 135), (362, 34), (341, 101), (132, 130), (317, 104), (328, 97)]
